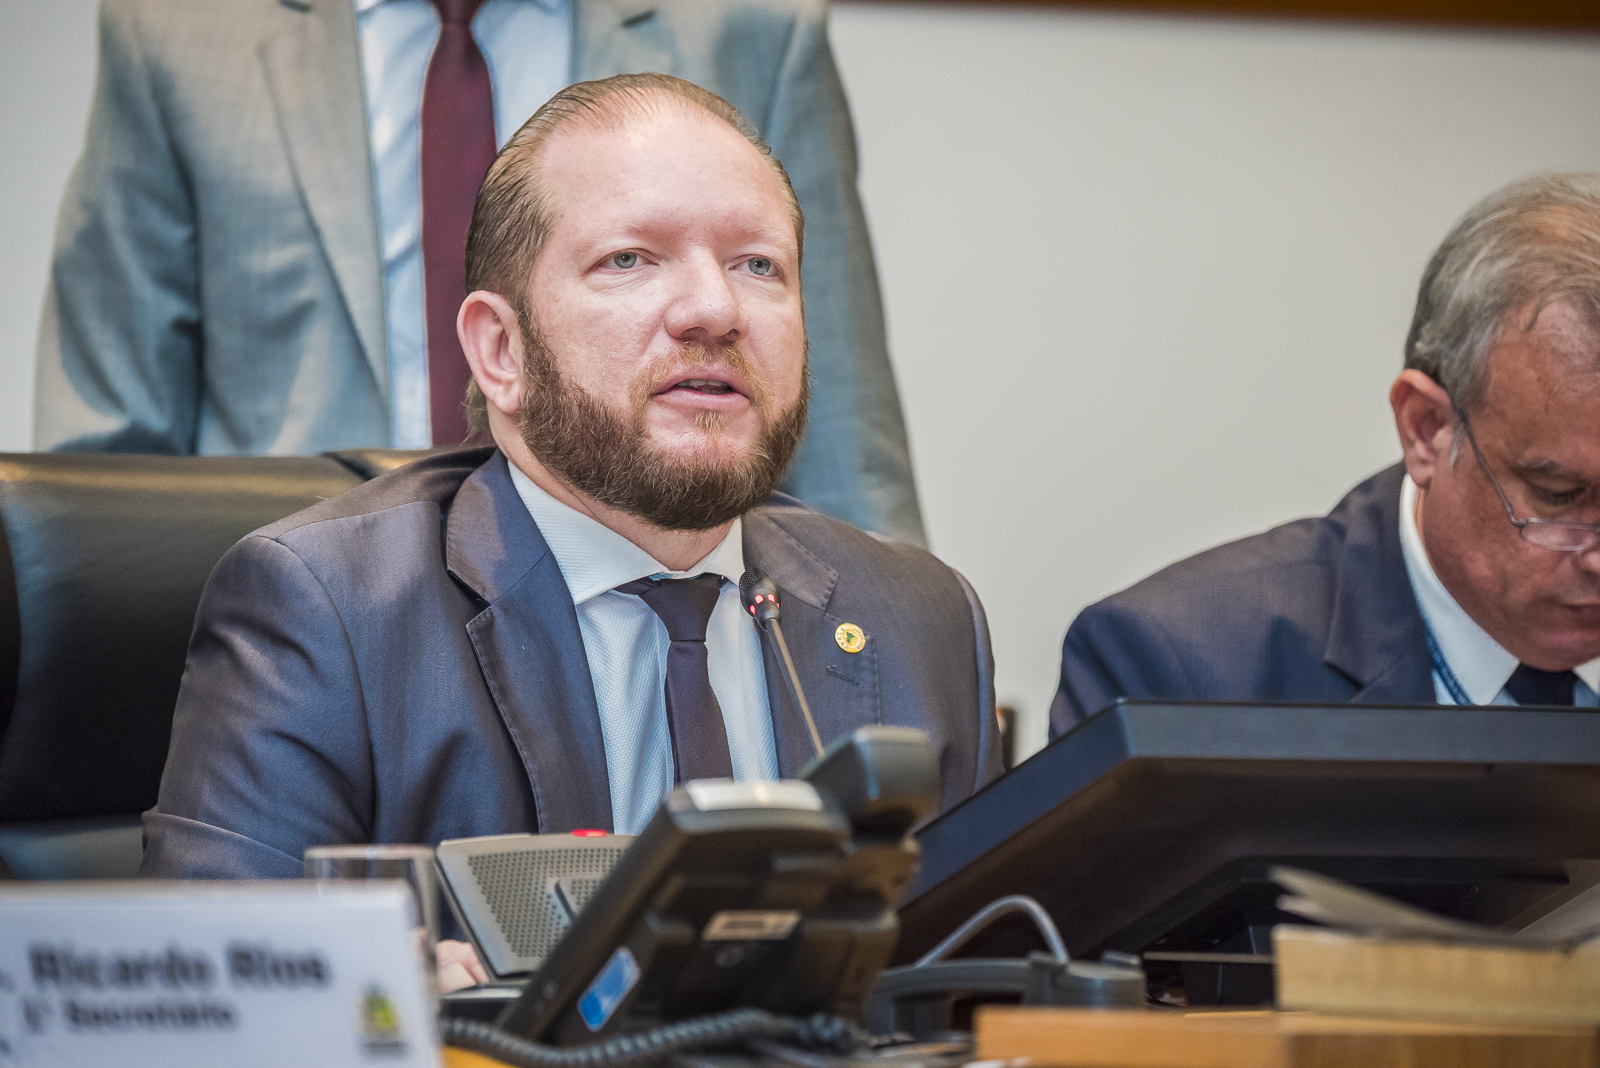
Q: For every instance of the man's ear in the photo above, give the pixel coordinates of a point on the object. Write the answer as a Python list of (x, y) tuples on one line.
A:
[(487, 327), (1425, 419)]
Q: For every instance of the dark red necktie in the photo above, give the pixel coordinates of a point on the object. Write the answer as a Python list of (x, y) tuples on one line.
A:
[(457, 147), (694, 719)]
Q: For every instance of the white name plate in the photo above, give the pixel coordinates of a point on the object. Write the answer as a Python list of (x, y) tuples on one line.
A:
[(280, 974)]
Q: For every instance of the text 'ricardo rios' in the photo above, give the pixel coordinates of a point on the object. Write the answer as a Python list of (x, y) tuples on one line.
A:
[(176, 984)]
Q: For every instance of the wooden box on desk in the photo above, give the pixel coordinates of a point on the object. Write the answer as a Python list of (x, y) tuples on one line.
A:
[(1335, 971), (1107, 1038)]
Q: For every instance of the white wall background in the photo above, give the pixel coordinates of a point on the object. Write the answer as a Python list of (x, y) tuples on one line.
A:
[(1147, 277)]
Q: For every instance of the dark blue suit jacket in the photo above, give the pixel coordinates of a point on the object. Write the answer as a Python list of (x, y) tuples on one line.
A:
[(402, 663), (1315, 611)]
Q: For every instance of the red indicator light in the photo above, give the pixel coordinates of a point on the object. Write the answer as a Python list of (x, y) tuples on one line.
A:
[(588, 833)]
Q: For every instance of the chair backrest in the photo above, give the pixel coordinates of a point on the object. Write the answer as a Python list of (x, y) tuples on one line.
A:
[(102, 561), (372, 462)]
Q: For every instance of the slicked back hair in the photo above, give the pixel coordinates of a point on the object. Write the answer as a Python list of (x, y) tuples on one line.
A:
[(1527, 246)]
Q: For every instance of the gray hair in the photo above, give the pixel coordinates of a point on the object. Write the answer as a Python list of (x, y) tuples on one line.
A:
[(1527, 246)]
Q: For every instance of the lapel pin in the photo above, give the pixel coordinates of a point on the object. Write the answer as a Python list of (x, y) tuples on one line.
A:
[(851, 638)]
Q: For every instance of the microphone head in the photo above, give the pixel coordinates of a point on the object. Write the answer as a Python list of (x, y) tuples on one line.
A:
[(759, 596)]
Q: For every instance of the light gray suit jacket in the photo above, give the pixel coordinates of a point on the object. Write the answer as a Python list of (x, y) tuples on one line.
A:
[(217, 285), (402, 663)]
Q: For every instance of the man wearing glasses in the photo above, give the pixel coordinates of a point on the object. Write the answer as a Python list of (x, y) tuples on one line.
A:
[(1468, 574)]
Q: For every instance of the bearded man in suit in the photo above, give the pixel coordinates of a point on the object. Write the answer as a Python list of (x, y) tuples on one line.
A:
[(239, 261), (546, 634), (1467, 574)]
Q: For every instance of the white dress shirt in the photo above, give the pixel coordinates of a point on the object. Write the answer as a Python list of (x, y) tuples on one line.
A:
[(527, 45), (626, 644), (1480, 664)]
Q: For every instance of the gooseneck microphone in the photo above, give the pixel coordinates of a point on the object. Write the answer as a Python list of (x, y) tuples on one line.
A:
[(760, 598)]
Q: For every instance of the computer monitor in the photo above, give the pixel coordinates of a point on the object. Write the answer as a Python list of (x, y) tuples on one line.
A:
[(1149, 827)]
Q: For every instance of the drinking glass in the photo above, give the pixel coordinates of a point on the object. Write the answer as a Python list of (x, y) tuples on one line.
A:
[(412, 864)]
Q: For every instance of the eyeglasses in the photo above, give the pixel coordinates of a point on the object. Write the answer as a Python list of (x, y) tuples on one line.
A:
[(1563, 537)]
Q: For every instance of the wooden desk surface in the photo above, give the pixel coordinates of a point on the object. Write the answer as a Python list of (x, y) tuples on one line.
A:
[(460, 1058), (1100, 1038), (1087, 1038)]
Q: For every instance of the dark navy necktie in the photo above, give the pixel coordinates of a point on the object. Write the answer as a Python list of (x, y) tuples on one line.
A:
[(458, 144), (1530, 686), (694, 719)]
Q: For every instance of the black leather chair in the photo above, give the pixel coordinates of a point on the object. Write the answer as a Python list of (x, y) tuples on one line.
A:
[(102, 560), (370, 463)]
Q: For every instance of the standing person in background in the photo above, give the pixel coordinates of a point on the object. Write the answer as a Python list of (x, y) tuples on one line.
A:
[(261, 248)]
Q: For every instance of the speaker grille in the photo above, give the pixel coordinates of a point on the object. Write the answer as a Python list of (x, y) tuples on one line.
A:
[(520, 888), (579, 889)]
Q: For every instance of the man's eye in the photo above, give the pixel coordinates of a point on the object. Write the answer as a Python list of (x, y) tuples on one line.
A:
[(624, 260), (760, 265), (1557, 499)]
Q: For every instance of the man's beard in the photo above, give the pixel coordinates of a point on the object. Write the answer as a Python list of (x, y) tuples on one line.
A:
[(606, 454)]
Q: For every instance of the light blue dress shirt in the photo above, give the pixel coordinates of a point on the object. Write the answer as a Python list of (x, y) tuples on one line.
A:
[(626, 646), (528, 47)]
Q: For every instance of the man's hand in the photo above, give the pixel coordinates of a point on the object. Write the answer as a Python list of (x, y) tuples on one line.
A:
[(458, 965)]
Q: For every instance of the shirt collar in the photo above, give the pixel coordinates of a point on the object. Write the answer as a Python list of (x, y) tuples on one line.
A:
[(1481, 664), (595, 559), (363, 6)]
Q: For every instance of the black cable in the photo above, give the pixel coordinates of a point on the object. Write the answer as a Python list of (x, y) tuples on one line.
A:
[(723, 1029)]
